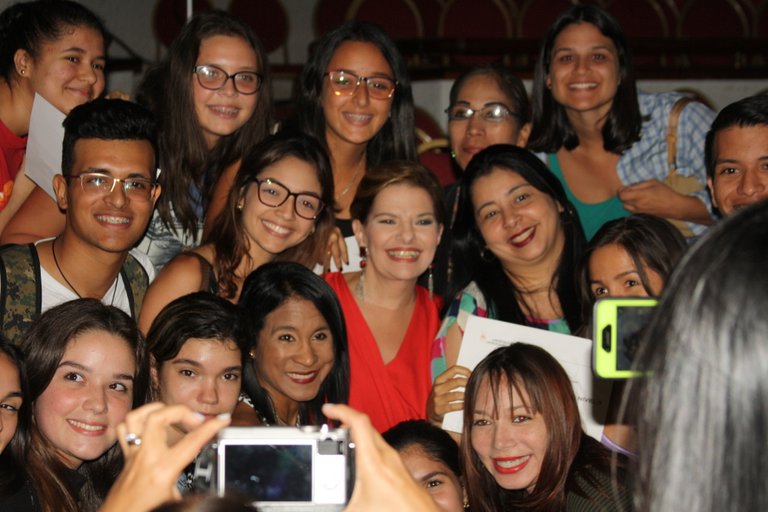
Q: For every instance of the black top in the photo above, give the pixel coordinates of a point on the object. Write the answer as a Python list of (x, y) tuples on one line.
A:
[(25, 499)]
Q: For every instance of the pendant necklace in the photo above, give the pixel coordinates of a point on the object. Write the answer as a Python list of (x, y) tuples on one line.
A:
[(71, 286), (349, 185)]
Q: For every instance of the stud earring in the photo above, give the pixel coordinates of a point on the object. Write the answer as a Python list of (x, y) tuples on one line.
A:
[(240, 205)]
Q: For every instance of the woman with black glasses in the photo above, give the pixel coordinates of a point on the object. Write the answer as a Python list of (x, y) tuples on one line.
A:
[(279, 207)]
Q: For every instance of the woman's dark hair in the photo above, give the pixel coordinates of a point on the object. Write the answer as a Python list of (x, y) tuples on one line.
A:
[(396, 139), (435, 442), (43, 347), (200, 315), (396, 172), (551, 128), (186, 161), (29, 25), (570, 452), (266, 289), (471, 264), (703, 410), (228, 235), (12, 475), (508, 82), (649, 241)]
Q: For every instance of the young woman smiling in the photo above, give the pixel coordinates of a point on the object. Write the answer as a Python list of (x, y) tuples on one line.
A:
[(524, 448), (298, 358), (86, 369), (488, 105), (604, 142), (516, 243), (277, 208), (398, 220), (356, 99), (56, 50)]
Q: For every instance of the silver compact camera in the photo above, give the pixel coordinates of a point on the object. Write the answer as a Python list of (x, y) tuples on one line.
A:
[(280, 468)]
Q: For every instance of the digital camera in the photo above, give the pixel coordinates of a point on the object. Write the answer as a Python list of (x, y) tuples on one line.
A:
[(280, 468)]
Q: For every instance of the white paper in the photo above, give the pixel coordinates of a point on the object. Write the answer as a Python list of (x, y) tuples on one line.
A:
[(46, 133), (483, 335)]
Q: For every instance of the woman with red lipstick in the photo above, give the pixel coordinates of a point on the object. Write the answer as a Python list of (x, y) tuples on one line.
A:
[(606, 144), (277, 209), (298, 359), (524, 447), (488, 105), (516, 242), (86, 369), (356, 99), (398, 220), (56, 50)]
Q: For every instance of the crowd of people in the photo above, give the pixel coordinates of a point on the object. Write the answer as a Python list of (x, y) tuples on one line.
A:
[(193, 264)]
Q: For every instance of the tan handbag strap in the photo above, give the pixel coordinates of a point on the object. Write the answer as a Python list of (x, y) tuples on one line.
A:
[(674, 120)]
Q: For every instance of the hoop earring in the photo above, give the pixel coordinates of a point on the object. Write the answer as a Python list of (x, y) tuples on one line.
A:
[(486, 255)]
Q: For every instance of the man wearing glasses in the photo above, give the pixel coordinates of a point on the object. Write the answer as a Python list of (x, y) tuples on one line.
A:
[(107, 190)]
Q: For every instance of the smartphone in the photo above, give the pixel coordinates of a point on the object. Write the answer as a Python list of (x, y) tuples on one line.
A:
[(618, 327)]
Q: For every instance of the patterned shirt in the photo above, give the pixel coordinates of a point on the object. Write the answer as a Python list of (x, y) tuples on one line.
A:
[(472, 302), (647, 158)]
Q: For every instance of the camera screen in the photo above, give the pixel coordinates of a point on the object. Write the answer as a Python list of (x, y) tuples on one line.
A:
[(269, 472), (630, 322)]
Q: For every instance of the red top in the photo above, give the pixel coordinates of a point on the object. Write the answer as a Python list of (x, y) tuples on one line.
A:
[(12, 149), (399, 390)]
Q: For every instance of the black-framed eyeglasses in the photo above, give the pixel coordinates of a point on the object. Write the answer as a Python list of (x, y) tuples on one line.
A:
[(344, 83), (492, 113), (272, 193), (214, 78), (136, 188)]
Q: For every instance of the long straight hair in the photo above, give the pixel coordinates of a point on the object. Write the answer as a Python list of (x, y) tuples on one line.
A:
[(44, 347), (186, 162), (703, 412), (551, 128), (228, 235), (500, 293), (570, 452), (650, 242), (396, 139)]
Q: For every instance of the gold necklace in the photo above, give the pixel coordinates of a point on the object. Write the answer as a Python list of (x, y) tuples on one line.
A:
[(349, 185)]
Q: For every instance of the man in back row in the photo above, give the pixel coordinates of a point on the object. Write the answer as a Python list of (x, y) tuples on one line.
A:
[(736, 152), (108, 190)]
